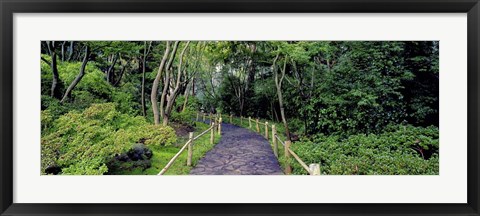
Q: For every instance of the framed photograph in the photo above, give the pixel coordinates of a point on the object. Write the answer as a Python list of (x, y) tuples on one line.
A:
[(236, 107)]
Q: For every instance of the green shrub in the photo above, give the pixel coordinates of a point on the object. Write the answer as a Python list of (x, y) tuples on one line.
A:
[(186, 116), (124, 97), (402, 150), (46, 78), (158, 135), (296, 126), (92, 89), (81, 143)]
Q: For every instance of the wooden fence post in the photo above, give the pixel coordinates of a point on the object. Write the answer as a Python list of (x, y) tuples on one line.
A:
[(203, 117), (190, 149), (220, 126), (288, 168), (212, 133), (314, 169), (250, 122), (274, 140), (197, 117), (230, 118), (258, 128), (241, 120), (266, 130)]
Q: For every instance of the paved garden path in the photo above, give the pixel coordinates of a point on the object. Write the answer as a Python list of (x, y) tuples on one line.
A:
[(239, 152)]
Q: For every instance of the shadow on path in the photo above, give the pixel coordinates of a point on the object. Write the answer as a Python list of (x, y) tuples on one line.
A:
[(239, 152)]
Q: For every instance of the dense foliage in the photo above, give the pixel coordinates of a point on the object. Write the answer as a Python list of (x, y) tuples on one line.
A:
[(356, 107), (83, 142), (403, 150), (345, 87)]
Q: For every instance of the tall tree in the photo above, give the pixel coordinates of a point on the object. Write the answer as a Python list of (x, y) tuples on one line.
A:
[(56, 82), (111, 70), (175, 88), (166, 82), (146, 51), (70, 50), (79, 76), (190, 85), (278, 83), (153, 95)]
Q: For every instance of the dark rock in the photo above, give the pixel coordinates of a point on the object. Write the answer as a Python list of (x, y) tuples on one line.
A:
[(139, 152), (294, 137), (122, 157), (53, 170), (137, 157)]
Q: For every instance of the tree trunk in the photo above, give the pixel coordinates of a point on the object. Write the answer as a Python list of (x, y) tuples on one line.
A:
[(173, 95), (186, 94), (242, 103), (79, 76), (153, 95), (251, 64), (282, 112), (63, 50), (54, 91), (278, 84), (144, 59), (121, 76), (111, 69), (193, 87), (166, 83), (144, 108), (71, 51)]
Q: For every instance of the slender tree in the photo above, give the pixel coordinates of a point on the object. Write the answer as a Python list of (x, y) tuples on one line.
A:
[(166, 82), (174, 92), (70, 54), (146, 51), (79, 76), (111, 69), (55, 89), (278, 84), (153, 95)]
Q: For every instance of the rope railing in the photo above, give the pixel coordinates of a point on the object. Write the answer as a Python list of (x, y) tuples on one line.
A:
[(174, 158), (190, 143), (313, 169), (300, 161), (204, 132), (280, 140)]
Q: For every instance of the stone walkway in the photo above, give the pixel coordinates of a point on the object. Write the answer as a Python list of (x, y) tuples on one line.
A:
[(239, 152)]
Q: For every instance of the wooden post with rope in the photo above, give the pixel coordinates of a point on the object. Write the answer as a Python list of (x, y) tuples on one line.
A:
[(190, 149), (274, 140), (266, 130), (314, 169), (288, 168), (220, 126), (212, 133), (258, 128)]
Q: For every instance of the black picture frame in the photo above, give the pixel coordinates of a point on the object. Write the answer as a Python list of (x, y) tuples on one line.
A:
[(9, 7)]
